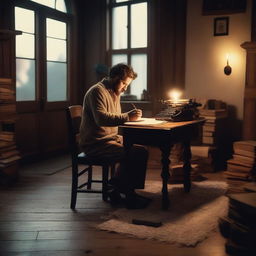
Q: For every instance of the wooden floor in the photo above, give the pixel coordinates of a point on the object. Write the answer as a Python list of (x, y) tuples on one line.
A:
[(35, 219)]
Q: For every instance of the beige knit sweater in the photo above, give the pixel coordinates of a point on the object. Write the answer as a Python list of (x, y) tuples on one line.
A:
[(100, 119)]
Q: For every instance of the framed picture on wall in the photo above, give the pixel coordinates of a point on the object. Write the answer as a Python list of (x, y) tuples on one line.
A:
[(221, 26)]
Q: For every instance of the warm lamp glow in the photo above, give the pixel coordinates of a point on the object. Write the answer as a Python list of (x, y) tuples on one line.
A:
[(227, 56), (227, 68), (175, 95)]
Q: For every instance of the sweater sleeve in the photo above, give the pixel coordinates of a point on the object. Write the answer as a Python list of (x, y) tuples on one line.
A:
[(101, 111)]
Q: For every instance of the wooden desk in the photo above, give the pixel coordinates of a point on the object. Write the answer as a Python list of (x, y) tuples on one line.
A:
[(164, 136)]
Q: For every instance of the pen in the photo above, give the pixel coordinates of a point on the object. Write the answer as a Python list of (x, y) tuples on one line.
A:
[(133, 106)]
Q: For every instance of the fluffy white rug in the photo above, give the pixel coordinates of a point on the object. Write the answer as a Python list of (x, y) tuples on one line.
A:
[(189, 220)]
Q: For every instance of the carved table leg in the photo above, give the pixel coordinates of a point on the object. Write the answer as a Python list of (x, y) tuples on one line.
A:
[(186, 165), (165, 174)]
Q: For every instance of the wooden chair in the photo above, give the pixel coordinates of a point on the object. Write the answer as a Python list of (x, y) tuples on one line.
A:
[(79, 159)]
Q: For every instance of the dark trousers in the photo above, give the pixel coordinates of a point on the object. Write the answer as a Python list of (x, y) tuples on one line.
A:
[(131, 172)]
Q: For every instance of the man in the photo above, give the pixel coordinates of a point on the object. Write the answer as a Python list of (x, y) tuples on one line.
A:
[(99, 135)]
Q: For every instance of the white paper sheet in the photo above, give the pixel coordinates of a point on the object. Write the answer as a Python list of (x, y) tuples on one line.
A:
[(145, 122)]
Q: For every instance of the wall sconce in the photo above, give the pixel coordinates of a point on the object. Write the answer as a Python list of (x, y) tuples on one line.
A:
[(227, 68)]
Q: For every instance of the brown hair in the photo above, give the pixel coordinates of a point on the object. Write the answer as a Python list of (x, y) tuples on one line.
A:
[(121, 71)]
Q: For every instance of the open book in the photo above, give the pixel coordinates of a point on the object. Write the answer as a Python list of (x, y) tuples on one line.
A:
[(145, 122)]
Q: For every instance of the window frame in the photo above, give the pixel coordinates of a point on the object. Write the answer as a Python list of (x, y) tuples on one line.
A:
[(128, 51), (41, 14)]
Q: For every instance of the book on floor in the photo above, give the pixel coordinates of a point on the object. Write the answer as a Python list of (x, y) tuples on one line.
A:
[(239, 168), (6, 144), (242, 152), (9, 159), (213, 113), (8, 108), (244, 201), (208, 140), (247, 145), (237, 175), (6, 136), (208, 134), (244, 159), (9, 153), (209, 128), (237, 163)]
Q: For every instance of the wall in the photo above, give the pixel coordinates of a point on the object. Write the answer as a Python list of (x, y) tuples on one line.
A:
[(206, 57), (92, 40)]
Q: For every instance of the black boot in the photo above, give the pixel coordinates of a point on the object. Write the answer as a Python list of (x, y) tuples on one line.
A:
[(135, 201), (115, 197)]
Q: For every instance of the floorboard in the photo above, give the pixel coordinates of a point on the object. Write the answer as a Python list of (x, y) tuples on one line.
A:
[(35, 219)]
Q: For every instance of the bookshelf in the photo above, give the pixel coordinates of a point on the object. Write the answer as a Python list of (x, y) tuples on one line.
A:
[(9, 155)]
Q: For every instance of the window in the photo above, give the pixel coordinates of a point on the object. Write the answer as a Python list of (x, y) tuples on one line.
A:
[(25, 55), (129, 41), (56, 60), (55, 4), (41, 52)]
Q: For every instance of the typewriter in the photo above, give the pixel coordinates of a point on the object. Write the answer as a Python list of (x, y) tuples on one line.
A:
[(179, 110)]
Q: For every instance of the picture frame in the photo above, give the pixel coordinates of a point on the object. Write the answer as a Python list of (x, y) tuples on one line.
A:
[(221, 26)]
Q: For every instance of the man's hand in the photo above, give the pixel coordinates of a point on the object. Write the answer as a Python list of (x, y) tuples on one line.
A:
[(135, 114)]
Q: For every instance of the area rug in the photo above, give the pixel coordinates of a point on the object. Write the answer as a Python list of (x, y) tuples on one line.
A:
[(189, 220)]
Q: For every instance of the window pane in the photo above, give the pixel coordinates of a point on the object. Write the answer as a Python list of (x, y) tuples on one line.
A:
[(24, 20), (49, 3), (60, 5), (56, 28), (25, 46), (56, 81), (119, 58), (25, 80), (119, 28), (139, 63), (139, 25), (56, 49)]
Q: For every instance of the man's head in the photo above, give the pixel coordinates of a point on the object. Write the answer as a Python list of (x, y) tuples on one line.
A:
[(121, 75)]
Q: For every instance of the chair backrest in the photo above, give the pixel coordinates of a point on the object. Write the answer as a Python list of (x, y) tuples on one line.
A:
[(74, 115)]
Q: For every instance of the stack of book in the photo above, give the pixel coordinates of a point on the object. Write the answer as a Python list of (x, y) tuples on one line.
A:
[(239, 228), (177, 174), (9, 154), (176, 154), (213, 126), (175, 157), (7, 99), (176, 166), (242, 165), (203, 157)]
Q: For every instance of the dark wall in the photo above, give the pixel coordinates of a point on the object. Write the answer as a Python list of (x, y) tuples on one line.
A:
[(167, 49), (92, 40), (253, 36)]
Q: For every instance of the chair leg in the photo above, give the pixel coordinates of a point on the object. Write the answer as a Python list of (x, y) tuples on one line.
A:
[(89, 184), (74, 187), (105, 169)]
